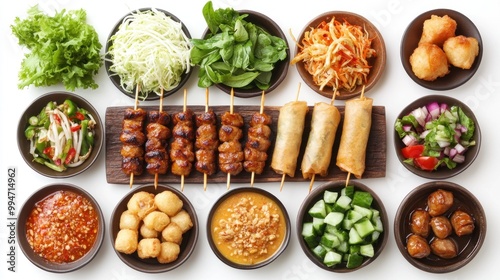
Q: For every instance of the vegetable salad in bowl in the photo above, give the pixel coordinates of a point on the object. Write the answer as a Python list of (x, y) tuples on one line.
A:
[(436, 133), (60, 134)]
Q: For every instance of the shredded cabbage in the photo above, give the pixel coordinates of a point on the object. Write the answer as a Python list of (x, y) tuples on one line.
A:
[(150, 50)]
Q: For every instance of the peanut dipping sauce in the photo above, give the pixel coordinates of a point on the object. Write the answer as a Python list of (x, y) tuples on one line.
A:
[(62, 227), (248, 228)]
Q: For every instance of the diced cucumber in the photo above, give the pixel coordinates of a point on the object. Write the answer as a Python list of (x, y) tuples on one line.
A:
[(330, 197), (375, 214), (364, 227), (354, 216), (334, 218), (332, 258), (365, 212), (318, 209), (318, 225), (341, 234), (363, 199), (375, 236), (319, 251), (329, 207), (348, 191), (309, 235), (354, 237), (367, 250), (354, 260), (377, 222), (342, 204), (329, 240), (354, 249), (343, 247)]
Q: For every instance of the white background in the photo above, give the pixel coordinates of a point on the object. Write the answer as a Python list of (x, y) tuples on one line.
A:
[(394, 91)]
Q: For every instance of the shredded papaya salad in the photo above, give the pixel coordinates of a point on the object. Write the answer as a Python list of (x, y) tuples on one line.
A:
[(149, 49), (61, 135), (435, 135), (336, 54)]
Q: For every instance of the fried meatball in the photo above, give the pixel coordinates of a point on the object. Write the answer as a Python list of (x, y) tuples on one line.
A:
[(444, 248), (437, 29), (429, 62), (461, 51), (439, 202), (417, 246), (462, 223), (420, 222), (441, 226)]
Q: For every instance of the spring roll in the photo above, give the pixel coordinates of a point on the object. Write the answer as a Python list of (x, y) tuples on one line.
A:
[(355, 133), (289, 137), (318, 153)]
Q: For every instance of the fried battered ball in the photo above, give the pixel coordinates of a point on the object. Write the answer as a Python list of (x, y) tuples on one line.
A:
[(148, 248), (126, 241), (142, 203), (156, 220), (183, 220), (461, 51), (147, 232), (168, 202), (169, 252), (437, 29), (172, 233), (129, 220), (429, 62)]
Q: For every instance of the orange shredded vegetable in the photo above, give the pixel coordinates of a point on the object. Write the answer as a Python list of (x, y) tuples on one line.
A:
[(336, 54)]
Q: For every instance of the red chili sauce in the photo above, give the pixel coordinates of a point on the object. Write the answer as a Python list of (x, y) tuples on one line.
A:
[(62, 227)]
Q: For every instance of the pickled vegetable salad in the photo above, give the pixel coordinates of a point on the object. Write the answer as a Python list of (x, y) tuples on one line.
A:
[(436, 135), (61, 135)]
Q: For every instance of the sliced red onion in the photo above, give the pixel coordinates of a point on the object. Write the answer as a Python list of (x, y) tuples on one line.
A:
[(459, 158), (443, 107), (447, 150), (434, 109), (453, 152), (409, 140), (420, 115), (460, 149), (407, 128)]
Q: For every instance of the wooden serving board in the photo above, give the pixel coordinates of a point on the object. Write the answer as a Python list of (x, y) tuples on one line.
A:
[(375, 153)]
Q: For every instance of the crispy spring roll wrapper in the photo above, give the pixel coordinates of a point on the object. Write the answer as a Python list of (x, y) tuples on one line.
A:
[(357, 123), (318, 153), (289, 137)]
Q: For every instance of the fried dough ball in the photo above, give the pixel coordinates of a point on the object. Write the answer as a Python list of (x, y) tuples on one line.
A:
[(429, 62), (129, 220), (444, 248), (168, 202), (147, 232), (142, 203), (169, 252), (437, 29), (156, 220), (148, 248), (417, 246), (172, 233), (183, 220), (126, 241), (461, 51)]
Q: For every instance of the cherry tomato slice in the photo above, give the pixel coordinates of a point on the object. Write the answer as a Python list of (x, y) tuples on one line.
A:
[(426, 163), (412, 151)]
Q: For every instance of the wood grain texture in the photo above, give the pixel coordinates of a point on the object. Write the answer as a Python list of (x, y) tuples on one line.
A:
[(375, 153)]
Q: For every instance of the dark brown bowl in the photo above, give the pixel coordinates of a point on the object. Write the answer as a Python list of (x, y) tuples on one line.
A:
[(270, 259), (115, 79), (25, 212), (468, 246), (317, 194), (280, 68), (377, 63), (457, 76), (189, 238), (442, 172), (34, 109)]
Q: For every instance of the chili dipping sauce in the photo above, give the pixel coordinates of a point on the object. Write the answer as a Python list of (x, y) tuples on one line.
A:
[(62, 227)]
